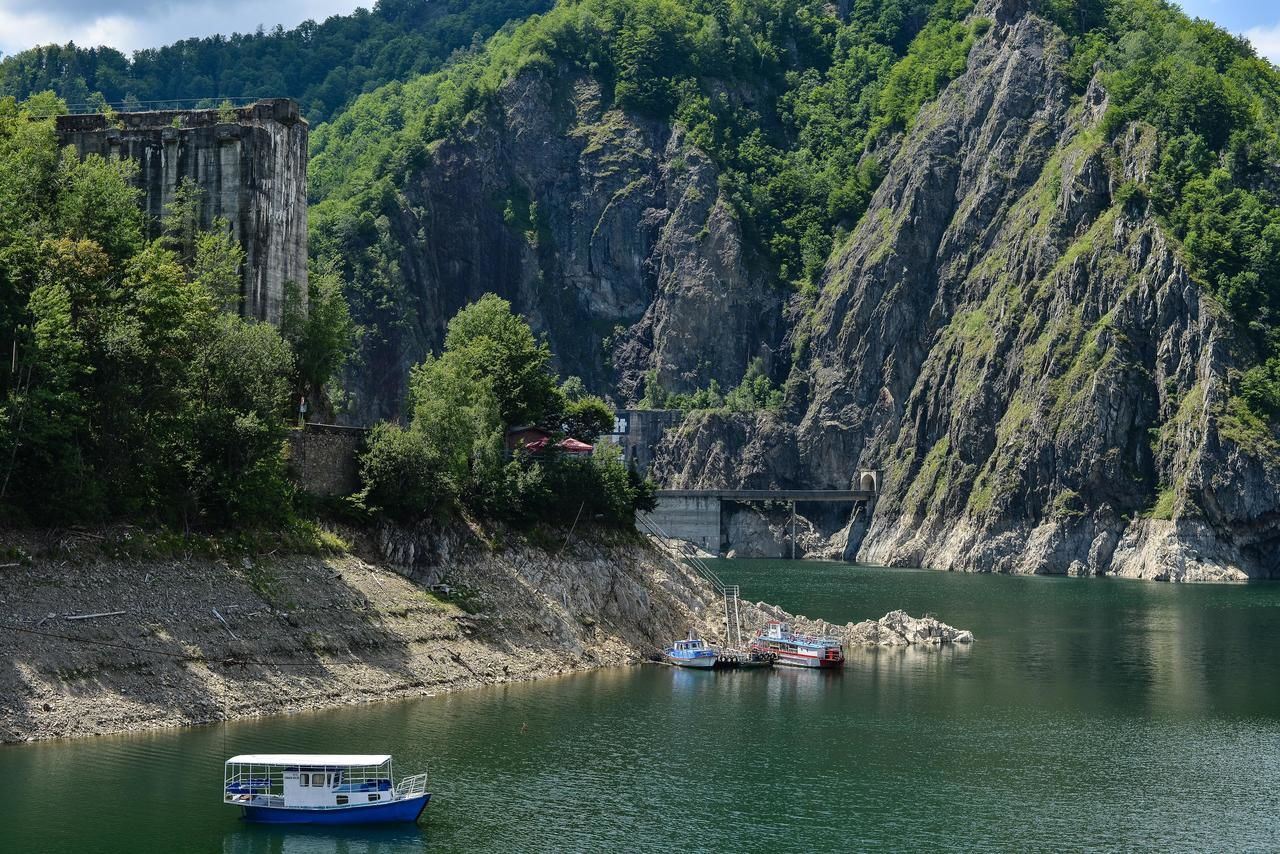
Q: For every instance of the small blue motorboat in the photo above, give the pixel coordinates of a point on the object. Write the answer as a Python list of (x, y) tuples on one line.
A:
[(303, 788), (693, 652)]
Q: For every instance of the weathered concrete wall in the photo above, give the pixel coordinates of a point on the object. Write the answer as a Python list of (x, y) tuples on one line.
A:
[(639, 431), (253, 172), (325, 458), (695, 520)]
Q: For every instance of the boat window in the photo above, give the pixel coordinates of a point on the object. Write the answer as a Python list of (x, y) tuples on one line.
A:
[(342, 799), (304, 779), (374, 797)]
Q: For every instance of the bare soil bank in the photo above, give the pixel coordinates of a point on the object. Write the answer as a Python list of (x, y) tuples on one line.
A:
[(203, 640)]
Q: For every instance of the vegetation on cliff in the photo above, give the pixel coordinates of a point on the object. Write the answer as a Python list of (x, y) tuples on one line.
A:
[(494, 375), (1216, 106), (754, 393), (321, 65), (797, 104), (783, 93)]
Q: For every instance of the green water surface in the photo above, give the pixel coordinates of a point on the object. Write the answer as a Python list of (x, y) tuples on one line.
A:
[(1089, 715)]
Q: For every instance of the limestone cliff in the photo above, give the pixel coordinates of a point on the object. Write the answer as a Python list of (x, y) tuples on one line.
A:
[(607, 231), (1010, 334)]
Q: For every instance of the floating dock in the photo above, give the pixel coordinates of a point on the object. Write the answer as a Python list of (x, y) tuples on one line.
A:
[(732, 659)]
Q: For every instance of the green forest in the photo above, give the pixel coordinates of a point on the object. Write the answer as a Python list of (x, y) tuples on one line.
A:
[(134, 388), (323, 66), (799, 158), (133, 393), (453, 456), (136, 392)]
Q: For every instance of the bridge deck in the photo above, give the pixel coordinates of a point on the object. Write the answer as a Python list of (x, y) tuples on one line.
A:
[(771, 494)]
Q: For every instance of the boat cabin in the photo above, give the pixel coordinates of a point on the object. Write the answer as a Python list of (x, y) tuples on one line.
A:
[(779, 632), (691, 645), (775, 630), (308, 781)]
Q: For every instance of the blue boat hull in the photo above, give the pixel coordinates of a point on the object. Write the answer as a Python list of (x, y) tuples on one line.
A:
[(393, 811)]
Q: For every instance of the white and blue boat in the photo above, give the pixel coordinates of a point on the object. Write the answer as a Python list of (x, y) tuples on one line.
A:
[(304, 788), (693, 652)]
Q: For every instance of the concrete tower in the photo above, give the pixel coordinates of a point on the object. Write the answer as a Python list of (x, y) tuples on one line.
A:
[(253, 171)]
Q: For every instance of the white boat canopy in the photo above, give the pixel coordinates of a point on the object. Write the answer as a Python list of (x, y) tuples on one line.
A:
[(310, 759)]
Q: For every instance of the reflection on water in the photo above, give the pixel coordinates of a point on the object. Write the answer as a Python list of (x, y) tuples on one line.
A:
[(1088, 714), (257, 839)]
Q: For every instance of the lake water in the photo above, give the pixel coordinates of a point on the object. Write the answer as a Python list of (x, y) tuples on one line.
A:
[(1089, 714)]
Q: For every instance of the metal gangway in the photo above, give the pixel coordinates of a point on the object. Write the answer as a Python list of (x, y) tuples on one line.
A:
[(728, 592)]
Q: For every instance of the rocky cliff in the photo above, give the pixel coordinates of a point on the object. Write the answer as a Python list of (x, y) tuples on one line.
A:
[(1011, 332), (1011, 335), (607, 231)]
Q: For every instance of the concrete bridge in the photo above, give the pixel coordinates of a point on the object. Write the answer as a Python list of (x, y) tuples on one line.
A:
[(696, 515)]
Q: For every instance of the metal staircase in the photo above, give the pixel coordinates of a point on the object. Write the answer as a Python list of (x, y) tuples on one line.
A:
[(733, 633), (728, 592)]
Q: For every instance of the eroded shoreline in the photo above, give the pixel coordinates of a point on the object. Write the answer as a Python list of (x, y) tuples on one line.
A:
[(195, 641), (199, 641)]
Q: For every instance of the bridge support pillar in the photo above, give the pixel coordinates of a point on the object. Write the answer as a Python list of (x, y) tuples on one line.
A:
[(793, 530)]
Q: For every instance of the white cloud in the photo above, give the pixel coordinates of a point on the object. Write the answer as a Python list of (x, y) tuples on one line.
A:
[(1266, 40), (149, 23)]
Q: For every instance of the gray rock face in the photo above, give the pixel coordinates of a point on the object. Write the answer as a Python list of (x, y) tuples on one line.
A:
[(1016, 343), (606, 231), (253, 172), (896, 628)]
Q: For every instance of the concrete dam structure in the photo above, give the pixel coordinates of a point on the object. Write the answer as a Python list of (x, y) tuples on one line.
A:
[(252, 169)]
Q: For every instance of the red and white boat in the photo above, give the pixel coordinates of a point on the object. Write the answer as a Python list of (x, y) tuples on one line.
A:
[(787, 647)]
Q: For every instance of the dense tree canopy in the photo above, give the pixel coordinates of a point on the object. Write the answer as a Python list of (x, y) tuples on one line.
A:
[(133, 392), (322, 65), (109, 409), (491, 376)]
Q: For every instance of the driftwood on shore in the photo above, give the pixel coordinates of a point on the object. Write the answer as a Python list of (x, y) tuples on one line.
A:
[(92, 616)]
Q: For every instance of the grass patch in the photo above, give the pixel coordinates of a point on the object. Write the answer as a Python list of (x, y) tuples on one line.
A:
[(1163, 506), (1067, 504), (1241, 425), (301, 537), (929, 479)]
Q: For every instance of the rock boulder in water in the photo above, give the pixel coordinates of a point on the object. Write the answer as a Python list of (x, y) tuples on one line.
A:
[(896, 628)]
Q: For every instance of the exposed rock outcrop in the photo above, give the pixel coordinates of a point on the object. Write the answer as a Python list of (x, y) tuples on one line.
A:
[(1011, 335), (203, 640), (608, 232), (896, 628)]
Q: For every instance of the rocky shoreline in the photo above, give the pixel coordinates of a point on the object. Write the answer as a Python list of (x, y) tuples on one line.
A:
[(96, 646), (191, 641), (896, 628)]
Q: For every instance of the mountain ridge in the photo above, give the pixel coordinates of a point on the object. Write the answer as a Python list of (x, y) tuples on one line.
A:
[(1016, 330)]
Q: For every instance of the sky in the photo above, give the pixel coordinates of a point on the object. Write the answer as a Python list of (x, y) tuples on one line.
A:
[(132, 24)]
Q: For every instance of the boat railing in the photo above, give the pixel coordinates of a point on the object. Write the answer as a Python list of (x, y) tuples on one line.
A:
[(251, 790), (794, 637), (411, 786)]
